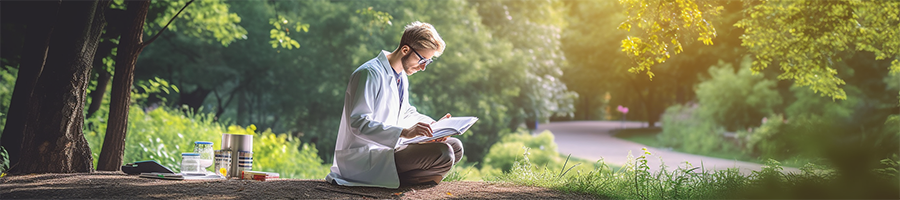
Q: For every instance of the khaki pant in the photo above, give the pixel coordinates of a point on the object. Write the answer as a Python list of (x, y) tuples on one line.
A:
[(424, 163)]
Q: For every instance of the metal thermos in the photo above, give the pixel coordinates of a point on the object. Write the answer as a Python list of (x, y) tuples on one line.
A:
[(236, 143)]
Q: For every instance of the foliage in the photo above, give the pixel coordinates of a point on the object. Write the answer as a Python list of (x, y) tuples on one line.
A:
[(375, 18), (664, 23), (155, 89), (689, 130), (891, 167), (541, 94), (512, 147), (639, 181), (282, 153), (769, 140), (282, 37), (7, 85), (804, 38), (467, 171), (737, 100), (4, 160), (592, 65), (163, 133), (204, 20)]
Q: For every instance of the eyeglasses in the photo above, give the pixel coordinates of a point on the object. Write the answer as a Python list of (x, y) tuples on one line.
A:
[(422, 59)]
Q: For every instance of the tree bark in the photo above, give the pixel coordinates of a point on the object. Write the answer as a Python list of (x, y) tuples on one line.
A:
[(99, 92), (53, 139), (114, 20), (37, 41), (130, 46)]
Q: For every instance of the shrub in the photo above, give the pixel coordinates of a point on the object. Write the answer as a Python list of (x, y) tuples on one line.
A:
[(7, 85), (162, 134), (512, 147), (768, 140), (737, 100), (282, 153), (690, 131)]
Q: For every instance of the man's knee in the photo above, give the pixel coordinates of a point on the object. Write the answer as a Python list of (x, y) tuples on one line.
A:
[(456, 147)]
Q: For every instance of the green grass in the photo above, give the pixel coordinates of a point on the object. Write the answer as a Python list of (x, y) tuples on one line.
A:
[(636, 181), (647, 136)]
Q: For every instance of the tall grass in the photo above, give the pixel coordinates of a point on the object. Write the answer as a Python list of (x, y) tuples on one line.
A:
[(636, 180)]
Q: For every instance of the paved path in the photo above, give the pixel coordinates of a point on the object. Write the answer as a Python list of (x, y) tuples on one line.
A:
[(592, 140)]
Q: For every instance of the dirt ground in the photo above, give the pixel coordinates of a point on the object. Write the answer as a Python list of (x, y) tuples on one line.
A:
[(117, 185)]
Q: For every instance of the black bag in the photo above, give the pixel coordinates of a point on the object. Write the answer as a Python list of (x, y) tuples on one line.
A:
[(147, 166)]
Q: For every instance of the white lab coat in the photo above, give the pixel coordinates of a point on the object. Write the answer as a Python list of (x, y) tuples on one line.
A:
[(370, 126)]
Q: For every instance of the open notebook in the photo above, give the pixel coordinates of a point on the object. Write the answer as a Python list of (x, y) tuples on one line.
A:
[(446, 127)]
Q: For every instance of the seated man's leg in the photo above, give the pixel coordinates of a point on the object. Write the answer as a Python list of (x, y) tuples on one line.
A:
[(457, 147), (423, 163)]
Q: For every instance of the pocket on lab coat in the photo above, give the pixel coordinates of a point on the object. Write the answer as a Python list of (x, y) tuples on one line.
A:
[(354, 162)]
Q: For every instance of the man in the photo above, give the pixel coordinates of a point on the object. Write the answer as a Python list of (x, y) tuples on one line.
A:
[(377, 116)]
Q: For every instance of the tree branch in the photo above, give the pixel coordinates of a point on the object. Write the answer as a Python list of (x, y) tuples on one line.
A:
[(167, 25)]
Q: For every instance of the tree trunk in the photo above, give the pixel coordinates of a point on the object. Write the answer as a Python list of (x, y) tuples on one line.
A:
[(37, 41), (99, 92), (651, 107), (114, 22), (194, 99), (53, 139), (130, 46)]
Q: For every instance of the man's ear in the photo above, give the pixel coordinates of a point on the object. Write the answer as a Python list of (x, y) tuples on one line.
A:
[(405, 49)]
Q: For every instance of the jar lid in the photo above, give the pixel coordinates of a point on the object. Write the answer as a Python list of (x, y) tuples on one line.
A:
[(202, 142), (190, 154)]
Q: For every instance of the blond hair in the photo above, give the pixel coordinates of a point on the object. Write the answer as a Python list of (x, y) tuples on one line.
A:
[(421, 35)]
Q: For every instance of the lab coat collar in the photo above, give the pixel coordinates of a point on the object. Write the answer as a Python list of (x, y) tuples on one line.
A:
[(382, 59)]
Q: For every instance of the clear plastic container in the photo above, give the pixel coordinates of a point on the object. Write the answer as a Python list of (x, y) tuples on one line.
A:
[(205, 149), (190, 162)]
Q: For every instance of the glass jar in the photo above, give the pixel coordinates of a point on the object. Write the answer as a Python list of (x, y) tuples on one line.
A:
[(190, 162), (205, 149)]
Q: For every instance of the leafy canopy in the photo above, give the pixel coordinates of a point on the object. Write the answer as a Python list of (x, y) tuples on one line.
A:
[(805, 38), (664, 25)]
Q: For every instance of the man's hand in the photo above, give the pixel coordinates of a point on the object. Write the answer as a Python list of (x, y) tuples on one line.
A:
[(437, 140), (417, 130), (442, 118)]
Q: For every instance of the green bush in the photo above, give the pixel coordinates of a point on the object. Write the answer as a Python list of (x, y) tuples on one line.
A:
[(737, 100), (688, 130), (162, 134), (768, 141), (511, 148), (7, 85), (282, 153)]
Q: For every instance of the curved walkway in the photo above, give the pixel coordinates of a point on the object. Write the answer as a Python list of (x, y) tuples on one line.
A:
[(592, 140)]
